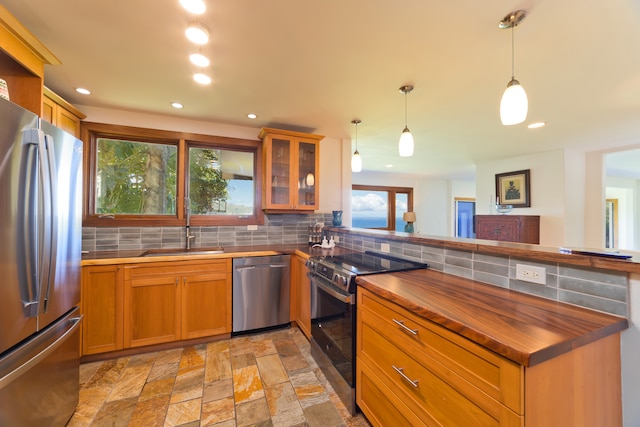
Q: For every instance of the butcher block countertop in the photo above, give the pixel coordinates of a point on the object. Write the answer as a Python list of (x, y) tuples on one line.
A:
[(523, 328)]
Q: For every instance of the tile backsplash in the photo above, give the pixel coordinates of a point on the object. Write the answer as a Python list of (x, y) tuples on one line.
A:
[(597, 289), (277, 229), (602, 290)]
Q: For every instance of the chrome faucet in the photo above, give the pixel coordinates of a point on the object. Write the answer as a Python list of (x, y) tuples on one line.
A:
[(189, 236)]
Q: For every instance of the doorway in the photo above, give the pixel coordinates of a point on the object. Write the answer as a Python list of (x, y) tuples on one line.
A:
[(465, 213)]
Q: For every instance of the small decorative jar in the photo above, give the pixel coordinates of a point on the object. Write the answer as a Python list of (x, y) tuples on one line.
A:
[(337, 218)]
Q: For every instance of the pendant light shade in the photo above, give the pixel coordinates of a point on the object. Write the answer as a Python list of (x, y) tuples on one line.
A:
[(514, 104), (405, 146), (356, 160)]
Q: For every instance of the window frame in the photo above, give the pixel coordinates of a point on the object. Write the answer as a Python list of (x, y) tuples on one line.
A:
[(90, 133), (391, 208)]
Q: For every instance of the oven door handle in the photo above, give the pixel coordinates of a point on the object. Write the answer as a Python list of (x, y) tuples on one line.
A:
[(318, 282)]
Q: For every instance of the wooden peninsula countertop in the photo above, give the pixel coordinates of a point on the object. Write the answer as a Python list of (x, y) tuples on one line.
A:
[(523, 328)]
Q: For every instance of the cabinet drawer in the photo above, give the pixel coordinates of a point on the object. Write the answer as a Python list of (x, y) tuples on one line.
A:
[(177, 268), (425, 387), (469, 368), (383, 408)]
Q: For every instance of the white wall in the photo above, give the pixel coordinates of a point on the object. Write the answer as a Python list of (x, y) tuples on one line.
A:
[(625, 190), (547, 190)]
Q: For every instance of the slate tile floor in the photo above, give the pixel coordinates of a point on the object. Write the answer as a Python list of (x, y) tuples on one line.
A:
[(268, 379)]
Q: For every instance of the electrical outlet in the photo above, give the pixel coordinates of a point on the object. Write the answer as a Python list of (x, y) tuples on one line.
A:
[(252, 227), (336, 239), (529, 273), (384, 247)]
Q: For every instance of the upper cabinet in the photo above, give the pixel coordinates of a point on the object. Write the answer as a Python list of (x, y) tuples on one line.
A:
[(291, 165), (22, 61), (60, 113)]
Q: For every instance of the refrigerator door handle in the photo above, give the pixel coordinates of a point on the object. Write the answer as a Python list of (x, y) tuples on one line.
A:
[(51, 209), (16, 373), (29, 223)]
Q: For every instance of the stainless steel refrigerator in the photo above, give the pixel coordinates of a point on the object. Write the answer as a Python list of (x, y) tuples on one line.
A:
[(40, 252)]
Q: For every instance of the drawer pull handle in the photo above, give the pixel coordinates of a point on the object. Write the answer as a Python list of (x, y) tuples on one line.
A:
[(405, 327), (414, 383)]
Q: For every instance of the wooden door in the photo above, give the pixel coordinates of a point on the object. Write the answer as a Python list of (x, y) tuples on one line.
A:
[(102, 295), (152, 307), (206, 304)]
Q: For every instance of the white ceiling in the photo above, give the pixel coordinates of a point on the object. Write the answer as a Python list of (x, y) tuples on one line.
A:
[(316, 65)]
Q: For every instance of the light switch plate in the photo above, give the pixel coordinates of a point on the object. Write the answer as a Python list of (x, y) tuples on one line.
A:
[(384, 247), (252, 227)]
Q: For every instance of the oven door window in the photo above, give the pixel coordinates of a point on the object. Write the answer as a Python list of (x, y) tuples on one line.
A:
[(332, 325)]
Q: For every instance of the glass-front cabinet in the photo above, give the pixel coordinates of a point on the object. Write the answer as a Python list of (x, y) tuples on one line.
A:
[(291, 166)]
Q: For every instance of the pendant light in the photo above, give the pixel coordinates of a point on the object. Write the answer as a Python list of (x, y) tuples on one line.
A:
[(356, 160), (405, 147), (514, 103)]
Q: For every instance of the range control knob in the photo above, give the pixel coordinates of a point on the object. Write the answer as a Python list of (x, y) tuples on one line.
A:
[(311, 264), (339, 280)]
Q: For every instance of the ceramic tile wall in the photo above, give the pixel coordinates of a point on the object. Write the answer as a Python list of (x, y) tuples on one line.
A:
[(277, 229), (602, 290)]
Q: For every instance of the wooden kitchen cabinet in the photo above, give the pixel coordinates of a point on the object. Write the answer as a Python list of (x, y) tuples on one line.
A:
[(22, 61), (60, 113), (102, 307), (291, 163), (300, 295), (412, 371), (509, 228), (171, 301), (455, 382)]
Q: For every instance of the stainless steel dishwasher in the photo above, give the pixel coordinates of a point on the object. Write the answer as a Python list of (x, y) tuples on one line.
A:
[(260, 292)]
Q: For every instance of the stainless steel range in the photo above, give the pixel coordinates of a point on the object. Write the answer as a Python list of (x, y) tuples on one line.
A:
[(333, 312)]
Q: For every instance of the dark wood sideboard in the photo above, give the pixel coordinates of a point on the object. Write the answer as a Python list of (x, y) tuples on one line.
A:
[(509, 228)]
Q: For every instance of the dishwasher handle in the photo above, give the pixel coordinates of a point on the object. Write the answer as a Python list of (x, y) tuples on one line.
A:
[(252, 266)]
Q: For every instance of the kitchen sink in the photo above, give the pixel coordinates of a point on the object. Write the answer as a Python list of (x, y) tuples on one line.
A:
[(179, 252)]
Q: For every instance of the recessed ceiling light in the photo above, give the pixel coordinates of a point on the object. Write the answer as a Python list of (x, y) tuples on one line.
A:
[(537, 125), (83, 91), (388, 166), (197, 7), (177, 105), (201, 78), (199, 60), (197, 33), (251, 116)]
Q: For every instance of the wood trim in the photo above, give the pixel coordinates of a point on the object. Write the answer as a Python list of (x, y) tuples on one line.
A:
[(63, 102), (23, 44), (272, 131), (90, 131)]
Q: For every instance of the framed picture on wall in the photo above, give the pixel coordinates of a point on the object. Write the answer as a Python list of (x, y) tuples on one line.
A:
[(512, 188)]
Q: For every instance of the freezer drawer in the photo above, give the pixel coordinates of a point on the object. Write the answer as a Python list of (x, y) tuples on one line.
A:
[(39, 380), (260, 292)]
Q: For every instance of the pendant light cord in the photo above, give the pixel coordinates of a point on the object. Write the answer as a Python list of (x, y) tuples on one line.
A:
[(357, 137), (513, 54), (405, 109)]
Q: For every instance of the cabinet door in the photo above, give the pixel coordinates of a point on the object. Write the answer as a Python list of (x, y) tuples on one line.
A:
[(102, 289), (206, 305), (279, 156), (300, 295), (152, 307), (307, 175)]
